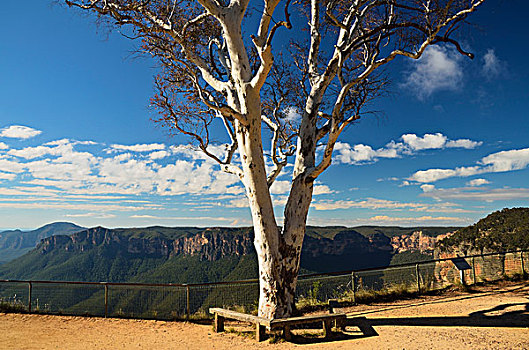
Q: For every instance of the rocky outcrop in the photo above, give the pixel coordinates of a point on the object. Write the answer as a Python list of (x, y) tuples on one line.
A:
[(210, 244), (213, 245), (344, 242), (417, 241)]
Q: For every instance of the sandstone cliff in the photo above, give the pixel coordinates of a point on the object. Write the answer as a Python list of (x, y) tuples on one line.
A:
[(417, 241), (209, 244)]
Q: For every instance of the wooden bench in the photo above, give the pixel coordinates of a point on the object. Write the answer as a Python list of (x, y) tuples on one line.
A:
[(261, 324), (221, 314)]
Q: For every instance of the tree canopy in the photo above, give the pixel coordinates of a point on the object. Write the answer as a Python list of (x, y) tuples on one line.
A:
[(222, 63), (503, 230)]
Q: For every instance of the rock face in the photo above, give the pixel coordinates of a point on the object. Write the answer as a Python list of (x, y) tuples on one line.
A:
[(417, 241), (210, 244), (344, 242)]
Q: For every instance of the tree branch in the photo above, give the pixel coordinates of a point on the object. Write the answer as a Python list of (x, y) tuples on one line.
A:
[(263, 41)]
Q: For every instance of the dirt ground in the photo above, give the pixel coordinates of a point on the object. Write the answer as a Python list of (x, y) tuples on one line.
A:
[(493, 317)]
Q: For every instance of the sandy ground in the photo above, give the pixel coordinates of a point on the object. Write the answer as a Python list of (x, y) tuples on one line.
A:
[(495, 317)]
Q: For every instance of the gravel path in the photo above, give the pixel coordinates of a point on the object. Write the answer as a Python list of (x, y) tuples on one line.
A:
[(494, 317)]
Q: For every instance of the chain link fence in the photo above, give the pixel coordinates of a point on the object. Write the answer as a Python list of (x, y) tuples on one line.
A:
[(185, 301)]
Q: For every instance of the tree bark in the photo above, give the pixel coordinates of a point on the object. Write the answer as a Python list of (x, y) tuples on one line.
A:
[(278, 252), (267, 235)]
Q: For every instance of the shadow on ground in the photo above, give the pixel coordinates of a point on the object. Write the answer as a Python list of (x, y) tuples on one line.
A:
[(498, 316), (513, 315)]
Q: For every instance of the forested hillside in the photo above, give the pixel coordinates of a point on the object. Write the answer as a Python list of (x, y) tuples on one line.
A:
[(14, 243), (186, 254), (507, 229), (190, 254)]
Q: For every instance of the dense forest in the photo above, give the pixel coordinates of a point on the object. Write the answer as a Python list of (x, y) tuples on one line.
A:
[(503, 230)]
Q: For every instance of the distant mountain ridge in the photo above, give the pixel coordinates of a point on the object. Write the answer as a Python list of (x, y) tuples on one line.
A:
[(190, 254), (14, 243)]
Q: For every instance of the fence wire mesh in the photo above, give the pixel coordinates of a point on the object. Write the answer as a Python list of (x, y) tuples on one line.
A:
[(179, 301), (242, 296), (322, 288), (143, 301), (14, 294), (67, 299)]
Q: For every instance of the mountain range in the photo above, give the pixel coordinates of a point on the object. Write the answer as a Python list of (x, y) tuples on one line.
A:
[(14, 243), (190, 254)]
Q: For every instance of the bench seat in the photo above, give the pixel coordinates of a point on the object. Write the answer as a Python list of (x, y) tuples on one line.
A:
[(261, 324)]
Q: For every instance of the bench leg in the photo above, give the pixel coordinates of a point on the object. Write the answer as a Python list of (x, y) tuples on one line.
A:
[(219, 323), (287, 333), (327, 328), (260, 332), (340, 324)]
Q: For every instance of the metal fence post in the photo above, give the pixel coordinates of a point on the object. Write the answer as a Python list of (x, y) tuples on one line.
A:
[(522, 262), (188, 306), (473, 271), (418, 278), (30, 287), (354, 286), (106, 300)]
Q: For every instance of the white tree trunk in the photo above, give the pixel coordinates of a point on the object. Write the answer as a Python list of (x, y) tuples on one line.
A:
[(278, 253), (267, 236)]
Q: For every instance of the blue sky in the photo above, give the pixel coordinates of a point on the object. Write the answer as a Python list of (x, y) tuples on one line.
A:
[(77, 142)]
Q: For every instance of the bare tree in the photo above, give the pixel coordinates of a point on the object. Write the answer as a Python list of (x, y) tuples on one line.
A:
[(219, 61)]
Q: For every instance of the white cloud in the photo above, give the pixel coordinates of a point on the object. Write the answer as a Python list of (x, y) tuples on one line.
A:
[(31, 152), (19, 132), (438, 69), (507, 160), (238, 203), (384, 219), (25, 191), (478, 194), (187, 218), (427, 188), (357, 154), (7, 176), (61, 166), (392, 220), (280, 187), (477, 182), (360, 153), (91, 215), (144, 217), (383, 204), (192, 152), (68, 141), (123, 157), (159, 154), (410, 144), (321, 189), (436, 141), (11, 166), (493, 163), (3, 146), (139, 147), (279, 201), (369, 203), (73, 206), (292, 115), (432, 175), (463, 143), (428, 141), (492, 66)]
